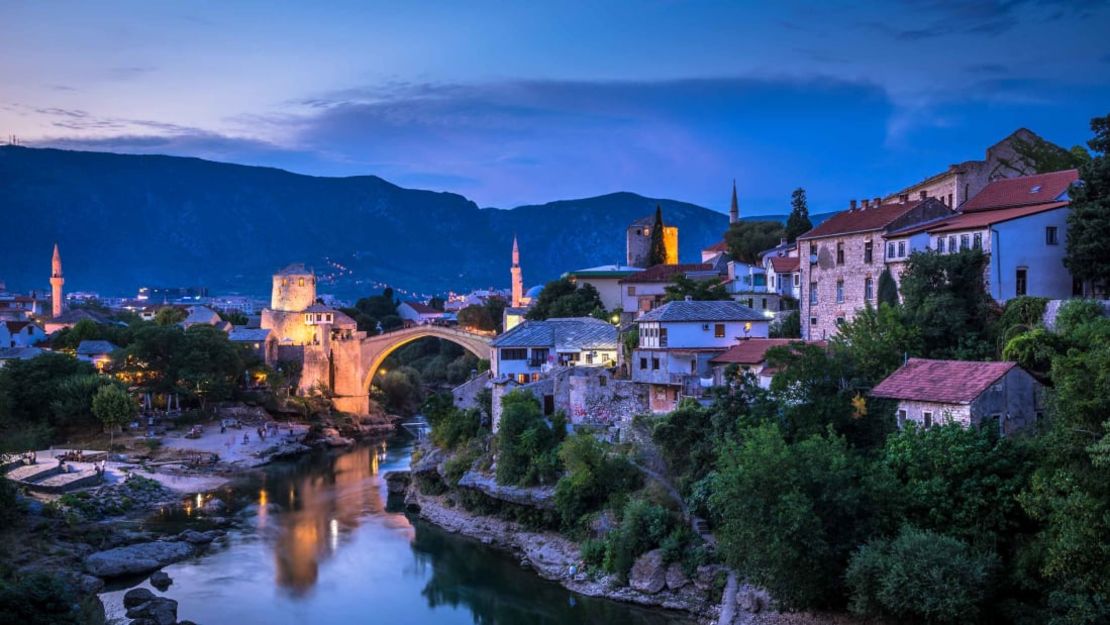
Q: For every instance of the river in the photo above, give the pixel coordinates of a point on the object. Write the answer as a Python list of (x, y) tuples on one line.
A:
[(319, 546)]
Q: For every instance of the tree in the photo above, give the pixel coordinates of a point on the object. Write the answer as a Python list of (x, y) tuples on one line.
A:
[(788, 325), (876, 342), (526, 442), (1088, 255), (682, 287), (170, 315), (114, 407), (27, 390), (562, 298), (747, 239), (593, 476), (920, 577), (478, 317), (798, 222), (1042, 156), (888, 289), (658, 253), (944, 297), (790, 515), (437, 303)]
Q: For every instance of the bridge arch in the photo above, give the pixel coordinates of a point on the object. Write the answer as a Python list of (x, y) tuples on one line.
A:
[(377, 348)]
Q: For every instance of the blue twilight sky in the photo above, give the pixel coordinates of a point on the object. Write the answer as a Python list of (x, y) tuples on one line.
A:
[(527, 102)]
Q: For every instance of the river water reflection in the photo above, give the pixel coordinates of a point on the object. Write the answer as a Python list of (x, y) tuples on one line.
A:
[(320, 546)]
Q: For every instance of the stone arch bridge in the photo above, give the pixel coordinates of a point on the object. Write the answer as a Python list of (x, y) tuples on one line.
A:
[(352, 388)]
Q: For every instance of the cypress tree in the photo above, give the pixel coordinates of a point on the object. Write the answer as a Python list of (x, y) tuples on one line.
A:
[(798, 222), (658, 254), (1088, 255), (888, 290)]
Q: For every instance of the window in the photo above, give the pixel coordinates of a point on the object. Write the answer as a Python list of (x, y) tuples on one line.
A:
[(949, 199), (901, 249), (643, 363), (1021, 281), (901, 418), (940, 244), (514, 354), (662, 337), (719, 330), (654, 363), (812, 252), (603, 381), (927, 417), (539, 356), (952, 243), (763, 302), (300, 281), (522, 378), (812, 292), (965, 241), (813, 321), (839, 291), (797, 279), (631, 290), (705, 327), (751, 302), (868, 288), (840, 321), (867, 251), (840, 253), (1050, 236), (693, 366), (890, 250), (977, 241)]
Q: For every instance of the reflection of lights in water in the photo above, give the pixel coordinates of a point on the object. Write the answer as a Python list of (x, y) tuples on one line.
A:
[(200, 500), (333, 534), (263, 497)]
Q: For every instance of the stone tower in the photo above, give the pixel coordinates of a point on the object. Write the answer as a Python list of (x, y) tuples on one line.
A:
[(56, 282), (294, 289), (518, 279), (734, 209)]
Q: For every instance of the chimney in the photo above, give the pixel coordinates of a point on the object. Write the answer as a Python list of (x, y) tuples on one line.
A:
[(688, 298), (863, 204), (877, 202), (852, 205), (782, 241), (923, 195), (905, 197)]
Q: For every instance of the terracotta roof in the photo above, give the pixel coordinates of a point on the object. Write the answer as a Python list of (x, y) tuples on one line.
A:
[(984, 218), (665, 273), (1023, 191), (752, 351), (942, 381), (785, 264), (16, 326), (860, 220), (423, 309), (719, 246)]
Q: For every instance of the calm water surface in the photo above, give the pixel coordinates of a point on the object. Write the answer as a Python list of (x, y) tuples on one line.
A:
[(320, 547)]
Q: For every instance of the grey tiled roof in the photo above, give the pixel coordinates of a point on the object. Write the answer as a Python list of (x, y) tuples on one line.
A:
[(92, 348), (248, 335), (562, 334), (703, 311)]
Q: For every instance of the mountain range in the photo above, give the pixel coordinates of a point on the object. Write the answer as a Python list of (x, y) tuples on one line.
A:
[(125, 221)]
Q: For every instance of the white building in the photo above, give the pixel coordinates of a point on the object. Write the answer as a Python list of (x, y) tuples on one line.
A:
[(678, 341), (416, 313), (607, 280), (645, 290), (534, 348), (20, 334)]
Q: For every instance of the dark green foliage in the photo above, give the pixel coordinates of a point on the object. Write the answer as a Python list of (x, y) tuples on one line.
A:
[(657, 255), (451, 426), (643, 527), (1077, 312), (789, 516), (682, 287), (88, 330), (527, 444), (888, 289), (562, 298), (798, 222), (944, 297), (689, 438), (10, 509), (38, 396), (401, 390), (1034, 350), (478, 317), (921, 577), (787, 326), (747, 239), (1044, 156), (877, 343), (376, 314), (39, 599), (594, 475), (439, 362), (1088, 255)]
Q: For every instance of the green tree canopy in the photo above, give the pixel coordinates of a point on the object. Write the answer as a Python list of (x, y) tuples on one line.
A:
[(682, 287), (562, 298), (658, 253), (747, 239), (114, 407), (888, 289), (798, 222), (944, 297), (1088, 255)]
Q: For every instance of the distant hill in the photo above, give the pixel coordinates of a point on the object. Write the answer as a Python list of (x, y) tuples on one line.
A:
[(123, 221)]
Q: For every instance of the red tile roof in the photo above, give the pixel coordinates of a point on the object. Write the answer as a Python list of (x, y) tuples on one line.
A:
[(665, 273), (941, 381), (719, 246), (785, 264), (423, 309), (752, 351), (861, 220), (984, 218), (16, 326), (1023, 191)]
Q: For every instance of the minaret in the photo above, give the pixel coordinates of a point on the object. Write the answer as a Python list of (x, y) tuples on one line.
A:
[(734, 210), (56, 282), (518, 279)]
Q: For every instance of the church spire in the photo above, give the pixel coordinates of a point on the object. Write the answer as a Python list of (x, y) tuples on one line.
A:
[(734, 209)]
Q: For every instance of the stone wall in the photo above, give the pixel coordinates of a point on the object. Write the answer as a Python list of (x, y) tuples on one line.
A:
[(587, 395), (465, 395), (825, 272)]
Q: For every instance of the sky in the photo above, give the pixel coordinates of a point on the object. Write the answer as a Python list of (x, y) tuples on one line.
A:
[(512, 103)]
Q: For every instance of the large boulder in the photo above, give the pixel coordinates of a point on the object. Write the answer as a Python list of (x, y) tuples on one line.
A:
[(398, 481), (194, 537), (137, 596), (649, 573), (160, 610), (676, 577), (160, 580), (136, 559)]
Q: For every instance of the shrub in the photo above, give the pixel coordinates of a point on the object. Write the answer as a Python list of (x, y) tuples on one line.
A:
[(38, 599), (593, 476), (526, 443), (643, 528), (1075, 313), (920, 576)]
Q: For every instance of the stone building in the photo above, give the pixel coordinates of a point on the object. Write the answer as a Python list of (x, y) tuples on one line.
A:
[(963, 181), (843, 257), (645, 290), (588, 396), (638, 242), (532, 349), (931, 392), (325, 341)]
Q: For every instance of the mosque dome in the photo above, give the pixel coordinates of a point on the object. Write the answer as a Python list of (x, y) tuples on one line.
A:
[(534, 292)]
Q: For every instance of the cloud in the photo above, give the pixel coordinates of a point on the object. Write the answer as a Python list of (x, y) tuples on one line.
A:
[(130, 72)]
